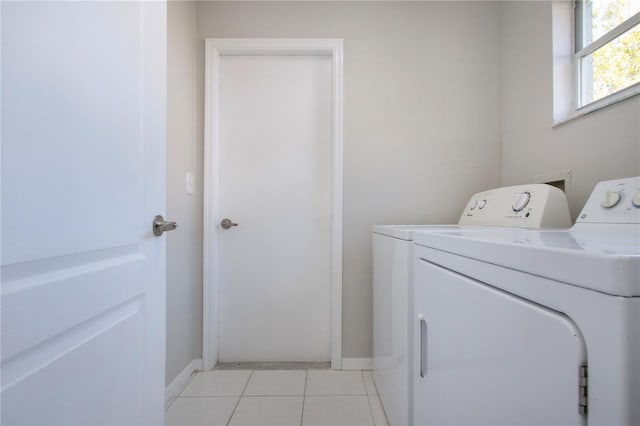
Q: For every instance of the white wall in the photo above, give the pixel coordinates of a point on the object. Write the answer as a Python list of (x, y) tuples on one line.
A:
[(602, 145), (184, 246), (421, 111)]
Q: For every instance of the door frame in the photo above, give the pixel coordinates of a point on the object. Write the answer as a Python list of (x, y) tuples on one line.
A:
[(214, 49)]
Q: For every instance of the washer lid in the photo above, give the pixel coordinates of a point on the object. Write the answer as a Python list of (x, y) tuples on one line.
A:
[(604, 258), (405, 232)]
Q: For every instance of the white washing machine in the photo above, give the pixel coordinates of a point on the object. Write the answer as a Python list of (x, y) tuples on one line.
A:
[(532, 327), (537, 206)]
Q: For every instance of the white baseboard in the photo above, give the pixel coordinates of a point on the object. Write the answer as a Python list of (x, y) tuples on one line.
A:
[(174, 388), (357, 363)]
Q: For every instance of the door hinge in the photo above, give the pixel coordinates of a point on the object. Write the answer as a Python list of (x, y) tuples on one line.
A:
[(583, 387)]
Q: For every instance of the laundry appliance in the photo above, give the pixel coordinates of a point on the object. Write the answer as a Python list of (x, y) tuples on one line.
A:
[(526, 206), (535, 326)]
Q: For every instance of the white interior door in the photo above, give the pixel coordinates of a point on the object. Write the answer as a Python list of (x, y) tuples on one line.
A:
[(83, 174), (275, 177)]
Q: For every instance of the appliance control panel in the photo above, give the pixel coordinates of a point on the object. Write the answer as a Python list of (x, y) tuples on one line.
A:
[(522, 206), (613, 201)]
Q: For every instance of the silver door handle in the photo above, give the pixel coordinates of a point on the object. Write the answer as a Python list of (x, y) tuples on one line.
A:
[(422, 330), (160, 225), (226, 224)]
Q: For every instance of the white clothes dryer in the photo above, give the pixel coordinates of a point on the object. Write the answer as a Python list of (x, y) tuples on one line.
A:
[(525, 206), (532, 327)]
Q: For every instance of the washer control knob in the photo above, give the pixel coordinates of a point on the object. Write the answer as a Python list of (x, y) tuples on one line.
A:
[(610, 199), (636, 199), (521, 201), (473, 205), (482, 203)]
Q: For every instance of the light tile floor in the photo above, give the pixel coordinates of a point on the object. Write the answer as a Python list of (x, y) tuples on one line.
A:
[(278, 397)]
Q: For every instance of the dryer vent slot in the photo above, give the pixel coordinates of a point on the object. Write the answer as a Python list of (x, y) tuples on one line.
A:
[(583, 387)]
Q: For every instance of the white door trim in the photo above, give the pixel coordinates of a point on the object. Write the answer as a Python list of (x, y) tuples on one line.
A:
[(214, 49)]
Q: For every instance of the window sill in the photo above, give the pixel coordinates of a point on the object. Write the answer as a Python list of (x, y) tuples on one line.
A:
[(614, 98)]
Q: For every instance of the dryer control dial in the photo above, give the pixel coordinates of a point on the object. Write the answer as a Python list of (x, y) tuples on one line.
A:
[(636, 198), (521, 201), (610, 199)]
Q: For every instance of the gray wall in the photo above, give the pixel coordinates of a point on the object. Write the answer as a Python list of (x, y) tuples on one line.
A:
[(421, 114), (184, 246), (442, 99), (602, 145)]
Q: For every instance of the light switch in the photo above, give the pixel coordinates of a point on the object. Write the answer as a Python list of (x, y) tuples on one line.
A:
[(189, 181)]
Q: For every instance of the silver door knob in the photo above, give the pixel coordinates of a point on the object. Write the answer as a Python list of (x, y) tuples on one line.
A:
[(160, 225), (226, 224)]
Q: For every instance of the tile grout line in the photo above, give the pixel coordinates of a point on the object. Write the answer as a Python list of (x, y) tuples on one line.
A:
[(304, 395), (240, 397), (325, 395), (179, 394), (373, 417), (263, 396), (375, 387), (378, 401)]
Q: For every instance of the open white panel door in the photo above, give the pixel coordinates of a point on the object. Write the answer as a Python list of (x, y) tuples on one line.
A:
[(83, 175)]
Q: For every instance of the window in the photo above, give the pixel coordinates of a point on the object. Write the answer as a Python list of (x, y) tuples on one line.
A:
[(607, 48), (596, 55)]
